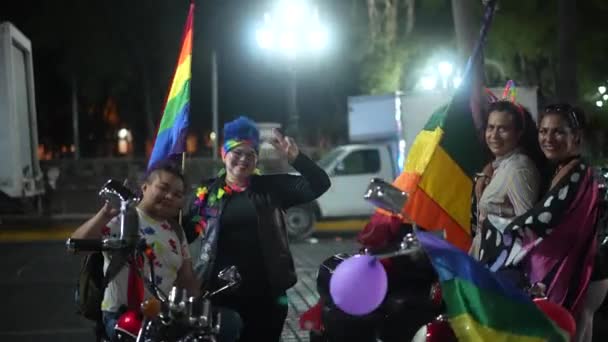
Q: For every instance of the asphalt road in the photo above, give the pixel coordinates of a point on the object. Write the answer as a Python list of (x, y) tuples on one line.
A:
[(37, 280)]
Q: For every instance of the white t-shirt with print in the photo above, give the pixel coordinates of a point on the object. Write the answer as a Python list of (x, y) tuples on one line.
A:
[(169, 254)]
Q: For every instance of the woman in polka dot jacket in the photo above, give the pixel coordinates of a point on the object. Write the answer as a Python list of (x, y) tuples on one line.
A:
[(554, 243)]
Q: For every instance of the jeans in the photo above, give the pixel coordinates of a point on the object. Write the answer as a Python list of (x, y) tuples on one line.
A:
[(230, 328), (109, 320)]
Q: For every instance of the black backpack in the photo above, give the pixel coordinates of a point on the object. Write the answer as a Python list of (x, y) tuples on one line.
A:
[(92, 283)]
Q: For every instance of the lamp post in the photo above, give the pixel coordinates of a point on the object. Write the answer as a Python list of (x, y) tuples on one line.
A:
[(292, 29)]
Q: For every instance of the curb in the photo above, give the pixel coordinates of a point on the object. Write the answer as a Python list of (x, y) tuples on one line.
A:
[(21, 232)]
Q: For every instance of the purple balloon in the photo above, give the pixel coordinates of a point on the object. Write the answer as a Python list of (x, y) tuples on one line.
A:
[(358, 285)]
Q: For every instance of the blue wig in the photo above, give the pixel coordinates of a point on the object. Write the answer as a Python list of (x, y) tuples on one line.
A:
[(240, 131)]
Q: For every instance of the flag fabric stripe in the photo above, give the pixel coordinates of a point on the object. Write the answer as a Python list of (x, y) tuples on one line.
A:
[(182, 75), (427, 213), (423, 209), (461, 141), (437, 119), (187, 47), (422, 150), (448, 192), (462, 296), (476, 332), (480, 305), (174, 106), (451, 263), (170, 138)]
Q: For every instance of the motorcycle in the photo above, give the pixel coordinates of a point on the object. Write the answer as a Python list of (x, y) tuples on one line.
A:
[(172, 317), (411, 320), (413, 292)]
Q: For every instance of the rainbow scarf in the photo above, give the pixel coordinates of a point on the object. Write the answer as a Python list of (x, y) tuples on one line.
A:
[(171, 136), (482, 307)]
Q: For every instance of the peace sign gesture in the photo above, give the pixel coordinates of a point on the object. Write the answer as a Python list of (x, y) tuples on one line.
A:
[(286, 146)]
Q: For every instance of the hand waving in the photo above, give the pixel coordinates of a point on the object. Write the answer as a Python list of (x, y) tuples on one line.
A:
[(286, 146)]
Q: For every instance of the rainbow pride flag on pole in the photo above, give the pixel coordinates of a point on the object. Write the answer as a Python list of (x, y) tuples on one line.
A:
[(481, 307), (438, 173), (171, 135), (439, 169)]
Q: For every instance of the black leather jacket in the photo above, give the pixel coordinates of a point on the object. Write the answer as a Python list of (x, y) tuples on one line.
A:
[(271, 196)]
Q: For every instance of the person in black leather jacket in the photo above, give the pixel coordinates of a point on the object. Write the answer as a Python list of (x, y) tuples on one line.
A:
[(237, 219)]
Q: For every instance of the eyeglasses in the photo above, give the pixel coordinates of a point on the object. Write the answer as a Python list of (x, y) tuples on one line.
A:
[(565, 108), (242, 154)]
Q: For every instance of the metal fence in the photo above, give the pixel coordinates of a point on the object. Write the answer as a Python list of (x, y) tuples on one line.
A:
[(73, 189)]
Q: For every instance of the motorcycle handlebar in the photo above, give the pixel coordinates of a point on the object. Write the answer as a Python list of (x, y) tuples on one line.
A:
[(94, 245)]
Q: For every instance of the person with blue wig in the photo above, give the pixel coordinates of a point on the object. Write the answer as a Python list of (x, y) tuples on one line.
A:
[(237, 219)]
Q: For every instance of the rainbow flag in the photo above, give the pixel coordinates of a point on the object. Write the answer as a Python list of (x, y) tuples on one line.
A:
[(482, 307), (439, 168), (171, 135), (438, 173)]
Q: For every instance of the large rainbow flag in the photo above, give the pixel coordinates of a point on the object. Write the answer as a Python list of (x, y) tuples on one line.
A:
[(439, 169), (482, 307), (171, 136), (438, 173)]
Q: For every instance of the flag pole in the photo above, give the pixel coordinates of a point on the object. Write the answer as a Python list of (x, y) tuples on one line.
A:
[(181, 211)]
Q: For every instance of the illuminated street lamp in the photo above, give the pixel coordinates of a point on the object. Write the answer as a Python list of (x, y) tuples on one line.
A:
[(292, 29), (441, 75)]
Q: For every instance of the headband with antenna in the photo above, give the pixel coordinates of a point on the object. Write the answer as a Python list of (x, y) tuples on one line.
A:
[(509, 94)]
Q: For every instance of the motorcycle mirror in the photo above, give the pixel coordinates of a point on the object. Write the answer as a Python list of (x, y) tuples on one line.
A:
[(116, 194), (230, 275), (385, 196)]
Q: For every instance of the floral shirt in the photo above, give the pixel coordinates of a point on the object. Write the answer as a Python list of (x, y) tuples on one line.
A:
[(168, 254)]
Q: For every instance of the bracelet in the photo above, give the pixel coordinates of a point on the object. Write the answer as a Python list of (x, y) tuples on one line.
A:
[(480, 175)]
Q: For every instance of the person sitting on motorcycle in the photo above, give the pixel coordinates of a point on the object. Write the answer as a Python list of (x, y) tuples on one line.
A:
[(554, 243), (237, 219), (509, 185), (163, 193)]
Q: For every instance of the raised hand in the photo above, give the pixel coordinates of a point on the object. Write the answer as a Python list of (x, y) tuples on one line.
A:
[(109, 212), (286, 146)]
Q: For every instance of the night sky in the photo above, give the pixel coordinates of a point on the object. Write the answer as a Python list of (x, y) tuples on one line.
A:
[(252, 82)]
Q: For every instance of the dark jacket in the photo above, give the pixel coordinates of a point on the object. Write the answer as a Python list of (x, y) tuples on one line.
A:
[(271, 196)]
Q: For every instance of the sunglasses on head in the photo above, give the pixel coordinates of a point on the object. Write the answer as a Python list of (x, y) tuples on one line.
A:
[(565, 108)]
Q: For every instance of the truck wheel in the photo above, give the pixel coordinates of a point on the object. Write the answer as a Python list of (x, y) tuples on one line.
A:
[(300, 222)]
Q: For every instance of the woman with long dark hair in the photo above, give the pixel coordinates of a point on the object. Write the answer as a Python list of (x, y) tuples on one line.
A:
[(509, 185), (554, 244)]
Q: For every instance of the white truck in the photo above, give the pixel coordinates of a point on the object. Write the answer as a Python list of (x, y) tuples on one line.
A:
[(20, 174), (381, 130)]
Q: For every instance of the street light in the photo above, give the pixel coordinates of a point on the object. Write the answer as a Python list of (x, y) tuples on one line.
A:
[(441, 75), (428, 82), (292, 28)]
